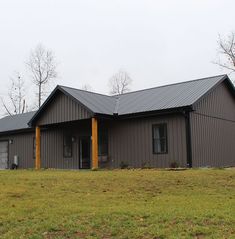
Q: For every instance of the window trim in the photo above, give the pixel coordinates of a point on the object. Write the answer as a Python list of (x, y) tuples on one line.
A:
[(157, 125), (70, 156)]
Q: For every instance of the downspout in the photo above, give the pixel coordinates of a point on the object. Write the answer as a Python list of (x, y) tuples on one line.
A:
[(188, 138)]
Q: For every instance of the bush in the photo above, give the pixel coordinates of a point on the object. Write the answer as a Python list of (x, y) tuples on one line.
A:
[(174, 164), (123, 165)]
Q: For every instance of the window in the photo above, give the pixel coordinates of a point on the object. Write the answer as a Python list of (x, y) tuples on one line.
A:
[(160, 139), (103, 142), (67, 146)]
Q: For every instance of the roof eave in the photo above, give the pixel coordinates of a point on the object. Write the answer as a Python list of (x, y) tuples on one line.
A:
[(16, 131), (147, 113)]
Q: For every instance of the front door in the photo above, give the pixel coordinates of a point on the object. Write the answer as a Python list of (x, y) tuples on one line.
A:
[(3, 154), (85, 152)]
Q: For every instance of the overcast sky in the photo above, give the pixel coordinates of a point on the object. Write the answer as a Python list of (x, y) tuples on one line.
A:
[(156, 42)]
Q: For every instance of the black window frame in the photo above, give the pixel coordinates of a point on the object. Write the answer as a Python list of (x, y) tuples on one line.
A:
[(166, 138), (64, 145)]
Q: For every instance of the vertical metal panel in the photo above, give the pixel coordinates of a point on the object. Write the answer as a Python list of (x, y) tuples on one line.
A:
[(130, 141), (52, 144), (22, 146), (213, 129), (63, 109)]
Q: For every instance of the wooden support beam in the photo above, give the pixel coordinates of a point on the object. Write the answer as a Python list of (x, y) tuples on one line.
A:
[(94, 143), (38, 148)]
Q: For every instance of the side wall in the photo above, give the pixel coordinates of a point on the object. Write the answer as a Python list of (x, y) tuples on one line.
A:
[(213, 129), (130, 142), (22, 146)]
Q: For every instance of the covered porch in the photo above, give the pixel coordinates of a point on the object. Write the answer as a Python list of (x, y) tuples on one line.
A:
[(81, 144)]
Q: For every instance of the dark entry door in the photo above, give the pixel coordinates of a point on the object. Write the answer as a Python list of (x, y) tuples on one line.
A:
[(3, 154), (85, 152)]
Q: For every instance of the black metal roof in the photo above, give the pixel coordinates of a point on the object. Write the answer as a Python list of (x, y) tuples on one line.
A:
[(158, 98), (166, 97), (15, 122), (97, 103), (179, 95)]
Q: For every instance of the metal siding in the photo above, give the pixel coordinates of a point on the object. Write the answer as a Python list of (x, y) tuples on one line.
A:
[(212, 138), (62, 109), (22, 146), (52, 145), (130, 141)]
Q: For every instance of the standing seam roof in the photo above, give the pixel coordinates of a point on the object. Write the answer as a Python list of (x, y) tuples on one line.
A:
[(159, 98), (15, 122), (164, 97)]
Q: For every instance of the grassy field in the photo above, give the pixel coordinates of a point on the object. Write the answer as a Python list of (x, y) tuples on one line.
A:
[(117, 204)]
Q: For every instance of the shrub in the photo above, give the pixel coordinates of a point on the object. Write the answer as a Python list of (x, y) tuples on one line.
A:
[(123, 165), (174, 164)]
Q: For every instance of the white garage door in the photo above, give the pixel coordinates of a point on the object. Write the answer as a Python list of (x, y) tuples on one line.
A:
[(3, 154)]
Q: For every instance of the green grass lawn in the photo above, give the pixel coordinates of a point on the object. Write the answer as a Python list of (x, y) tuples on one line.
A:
[(117, 204)]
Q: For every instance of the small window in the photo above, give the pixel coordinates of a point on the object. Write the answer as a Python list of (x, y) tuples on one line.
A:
[(34, 147), (160, 139), (67, 146), (102, 142)]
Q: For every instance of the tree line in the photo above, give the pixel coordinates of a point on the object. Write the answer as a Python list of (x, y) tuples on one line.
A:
[(42, 67)]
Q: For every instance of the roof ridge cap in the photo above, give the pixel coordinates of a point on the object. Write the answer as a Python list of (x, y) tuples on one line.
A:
[(176, 83)]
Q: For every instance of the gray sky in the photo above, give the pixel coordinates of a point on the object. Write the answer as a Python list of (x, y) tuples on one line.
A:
[(157, 42)]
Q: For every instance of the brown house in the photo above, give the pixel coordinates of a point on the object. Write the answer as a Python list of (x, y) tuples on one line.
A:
[(189, 124)]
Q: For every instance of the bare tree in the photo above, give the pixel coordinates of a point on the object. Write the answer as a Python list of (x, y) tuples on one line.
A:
[(16, 95), (227, 52), (42, 67), (86, 87), (120, 83)]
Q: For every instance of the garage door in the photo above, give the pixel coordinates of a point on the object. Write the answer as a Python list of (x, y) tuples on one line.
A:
[(3, 154)]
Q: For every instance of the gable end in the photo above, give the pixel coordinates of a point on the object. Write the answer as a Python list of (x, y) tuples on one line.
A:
[(60, 107)]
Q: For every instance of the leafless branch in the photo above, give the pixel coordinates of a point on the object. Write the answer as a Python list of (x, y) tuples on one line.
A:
[(6, 108), (86, 87), (42, 67), (16, 96), (227, 52), (120, 83)]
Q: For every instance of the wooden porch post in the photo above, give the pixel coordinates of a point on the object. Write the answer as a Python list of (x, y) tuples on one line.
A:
[(38, 148), (94, 143)]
